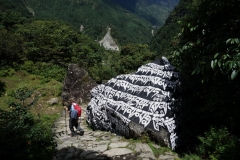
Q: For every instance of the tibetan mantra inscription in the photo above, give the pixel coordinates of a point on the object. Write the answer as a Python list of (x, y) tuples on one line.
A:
[(149, 97)]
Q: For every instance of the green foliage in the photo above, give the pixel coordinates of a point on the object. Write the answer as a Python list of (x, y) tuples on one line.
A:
[(95, 16), (165, 39), (87, 53), (6, 71), (47, 41), (108, 68), (210, 39), (11, 48), (49, 46), (47, 70), (154, 11), (133, 56), (10, 15), (22, 94), (22, 136), (206, 52), (11, 45), (2, 88), (219, 144), (190, 157), (45, 48), (158, 151), (229, 62)]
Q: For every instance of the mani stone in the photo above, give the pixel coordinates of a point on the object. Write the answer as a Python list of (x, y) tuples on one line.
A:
[(144, 103)]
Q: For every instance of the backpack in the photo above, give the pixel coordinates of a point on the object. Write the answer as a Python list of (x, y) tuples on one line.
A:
[(76, 107)]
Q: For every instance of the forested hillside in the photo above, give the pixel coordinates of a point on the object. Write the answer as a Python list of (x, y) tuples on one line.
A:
[(128, 19), (154, 11), (164, 40), (29, 42), (95, 16)]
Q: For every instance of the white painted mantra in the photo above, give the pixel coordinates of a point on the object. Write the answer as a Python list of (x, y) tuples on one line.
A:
[(147, 98)]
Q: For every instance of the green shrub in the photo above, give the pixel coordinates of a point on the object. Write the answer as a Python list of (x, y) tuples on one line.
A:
[(47, 70), (44, 80), (2, 88), (6, 72), (28, 66), (218, 144), (58, 92), (190, 157), (22, 137)]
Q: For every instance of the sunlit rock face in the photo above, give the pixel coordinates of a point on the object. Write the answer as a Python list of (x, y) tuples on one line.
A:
[(145, 102)]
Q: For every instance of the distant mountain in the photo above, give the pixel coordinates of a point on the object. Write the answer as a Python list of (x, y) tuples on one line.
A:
[(154, 11), (93, 17), (130, 21), (163, 41)]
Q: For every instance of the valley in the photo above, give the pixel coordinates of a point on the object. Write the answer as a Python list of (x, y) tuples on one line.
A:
[(129, 24)]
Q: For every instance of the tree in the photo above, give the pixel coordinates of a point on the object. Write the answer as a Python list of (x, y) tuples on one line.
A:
[(210, 38), (207, 57), (58, 43), (11, 48), (133, 56), (47, 41)]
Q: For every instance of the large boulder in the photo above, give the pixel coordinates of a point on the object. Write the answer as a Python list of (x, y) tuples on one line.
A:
[(77, 84), (145, 102)]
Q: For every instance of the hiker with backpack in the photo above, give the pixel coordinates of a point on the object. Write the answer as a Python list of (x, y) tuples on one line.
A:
[(74, 111)]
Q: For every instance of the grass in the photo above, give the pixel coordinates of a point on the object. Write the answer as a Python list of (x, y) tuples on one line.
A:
[(45, 112), (190, 157), (157, 151)]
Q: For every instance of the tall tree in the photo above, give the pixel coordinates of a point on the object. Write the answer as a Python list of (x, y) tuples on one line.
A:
[(208, 59), (133, 56), (210, 38), (58, 43), (11, 48)]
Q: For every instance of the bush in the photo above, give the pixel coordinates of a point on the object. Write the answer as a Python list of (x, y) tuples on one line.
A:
[(22, 137), (47, 70), (6, 71), (218, 144), (2, 88), (190, 157)]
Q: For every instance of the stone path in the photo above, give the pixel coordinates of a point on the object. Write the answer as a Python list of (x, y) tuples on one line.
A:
[(100, 145)]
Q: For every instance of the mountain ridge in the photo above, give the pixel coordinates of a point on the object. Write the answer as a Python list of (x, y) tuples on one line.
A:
[(95, 16), (154, 11)]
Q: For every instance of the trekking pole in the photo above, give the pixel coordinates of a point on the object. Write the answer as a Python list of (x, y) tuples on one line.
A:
[(79, 120), (66, 119)]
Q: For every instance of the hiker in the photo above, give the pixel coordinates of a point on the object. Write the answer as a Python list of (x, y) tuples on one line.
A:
[(73, 117)]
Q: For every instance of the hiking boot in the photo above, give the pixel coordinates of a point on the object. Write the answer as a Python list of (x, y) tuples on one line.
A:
[(81, 133), (72, 134)]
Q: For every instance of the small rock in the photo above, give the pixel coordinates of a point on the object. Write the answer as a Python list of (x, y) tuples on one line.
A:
[(53, 101)]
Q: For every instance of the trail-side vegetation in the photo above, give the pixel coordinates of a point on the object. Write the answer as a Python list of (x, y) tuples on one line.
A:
[(204, 47), (22, 134)]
